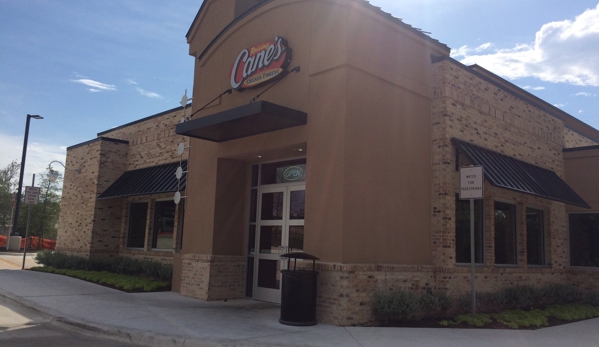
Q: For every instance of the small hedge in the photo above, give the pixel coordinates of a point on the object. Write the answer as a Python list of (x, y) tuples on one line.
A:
[(117, 265), (513, 306), (535, 318), (124, 282)]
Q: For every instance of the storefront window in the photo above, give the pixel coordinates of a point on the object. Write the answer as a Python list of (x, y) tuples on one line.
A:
[(535, 237), (164, 223), (462, 231), (284, 172), (584, 239), (272, 206), (297, 204), (136, 234), (505, 234)]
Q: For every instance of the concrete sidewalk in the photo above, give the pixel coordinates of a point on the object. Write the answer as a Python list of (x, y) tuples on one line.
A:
[(12, 260), (169, 319)]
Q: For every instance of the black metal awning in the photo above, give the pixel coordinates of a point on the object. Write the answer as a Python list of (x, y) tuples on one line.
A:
[(509, 173), (150, 180), (247, 120)]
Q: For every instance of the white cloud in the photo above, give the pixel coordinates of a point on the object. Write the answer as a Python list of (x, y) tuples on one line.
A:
[(465, 51), (148, 94), (533, 88), (96, 86), (559, 105), (39, 155), (585, 94), (580, 111), (562, 52), (130, 81), (483, 47)]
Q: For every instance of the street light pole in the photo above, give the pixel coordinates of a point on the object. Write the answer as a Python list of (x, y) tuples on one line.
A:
[(18, 202)]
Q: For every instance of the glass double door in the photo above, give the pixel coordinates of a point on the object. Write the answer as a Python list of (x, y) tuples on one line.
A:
[(279, 230)]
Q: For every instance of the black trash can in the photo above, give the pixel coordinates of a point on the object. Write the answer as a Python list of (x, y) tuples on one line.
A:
[(298, 292)]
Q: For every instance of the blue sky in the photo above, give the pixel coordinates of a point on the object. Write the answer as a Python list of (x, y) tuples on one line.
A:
[(88, 66)]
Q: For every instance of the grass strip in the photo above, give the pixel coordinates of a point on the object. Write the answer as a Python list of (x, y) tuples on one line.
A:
[(124, 282), (516, 319)]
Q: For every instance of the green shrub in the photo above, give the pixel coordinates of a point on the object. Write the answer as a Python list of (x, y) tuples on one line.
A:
[(97, 264), (434, 304), (572, 312), (479, 321), (126, 266), (520, 297), (462, 304), (124, 282), (394, 305), (165, 272), (75, 263), (43, 257), (592, 299), (118, 265), (560, 294), (491, 302)]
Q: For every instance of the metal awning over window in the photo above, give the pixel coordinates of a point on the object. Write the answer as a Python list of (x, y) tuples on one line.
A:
[(509, 173), (150, 180), (247, 120)]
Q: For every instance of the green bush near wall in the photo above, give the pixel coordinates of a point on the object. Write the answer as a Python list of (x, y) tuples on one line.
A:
[(119, 281), (514, 307), (117, 265)]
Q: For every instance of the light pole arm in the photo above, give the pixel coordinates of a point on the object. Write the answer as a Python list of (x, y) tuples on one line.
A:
[(54, 175)]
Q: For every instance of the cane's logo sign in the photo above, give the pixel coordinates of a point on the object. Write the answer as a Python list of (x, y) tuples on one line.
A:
[(260, 64)]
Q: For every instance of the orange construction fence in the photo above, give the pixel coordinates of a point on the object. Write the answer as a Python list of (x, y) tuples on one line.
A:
[(32, 243)]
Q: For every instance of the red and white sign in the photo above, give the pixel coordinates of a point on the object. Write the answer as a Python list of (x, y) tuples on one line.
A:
[(262, 63)]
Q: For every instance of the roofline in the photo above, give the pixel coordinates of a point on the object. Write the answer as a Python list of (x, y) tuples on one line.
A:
[(229, 26), (251, 9), (95, 140), (516, 91), (144, 119), (585, 148), (364, 3)]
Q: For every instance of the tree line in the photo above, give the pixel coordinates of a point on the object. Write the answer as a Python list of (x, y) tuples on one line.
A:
[(44, 216)]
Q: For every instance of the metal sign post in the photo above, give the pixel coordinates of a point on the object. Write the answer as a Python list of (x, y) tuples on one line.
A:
[(32, 197), (471, 188)]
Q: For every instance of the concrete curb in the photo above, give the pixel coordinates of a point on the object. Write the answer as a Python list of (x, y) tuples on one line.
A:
[(136, 336), (112, 332)]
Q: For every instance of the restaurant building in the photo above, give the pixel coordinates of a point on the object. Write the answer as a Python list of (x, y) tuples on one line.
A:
[(331, 127)]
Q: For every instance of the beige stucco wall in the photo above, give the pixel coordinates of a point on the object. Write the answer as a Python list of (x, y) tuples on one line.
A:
[(582, 174), (362, 202)]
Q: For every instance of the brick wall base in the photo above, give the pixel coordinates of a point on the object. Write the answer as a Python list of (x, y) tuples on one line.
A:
[(212, 277), (345, 291)]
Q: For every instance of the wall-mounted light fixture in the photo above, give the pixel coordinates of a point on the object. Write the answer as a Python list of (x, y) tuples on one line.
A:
[(53, 175)]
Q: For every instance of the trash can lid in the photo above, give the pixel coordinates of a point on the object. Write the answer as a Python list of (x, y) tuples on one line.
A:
[(299, 255)]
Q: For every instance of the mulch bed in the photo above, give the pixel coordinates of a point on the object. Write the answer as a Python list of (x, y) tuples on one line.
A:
[(434, 323)]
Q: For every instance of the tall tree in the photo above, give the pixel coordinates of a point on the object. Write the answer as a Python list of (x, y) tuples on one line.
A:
[(8, 184), (44, 216)]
